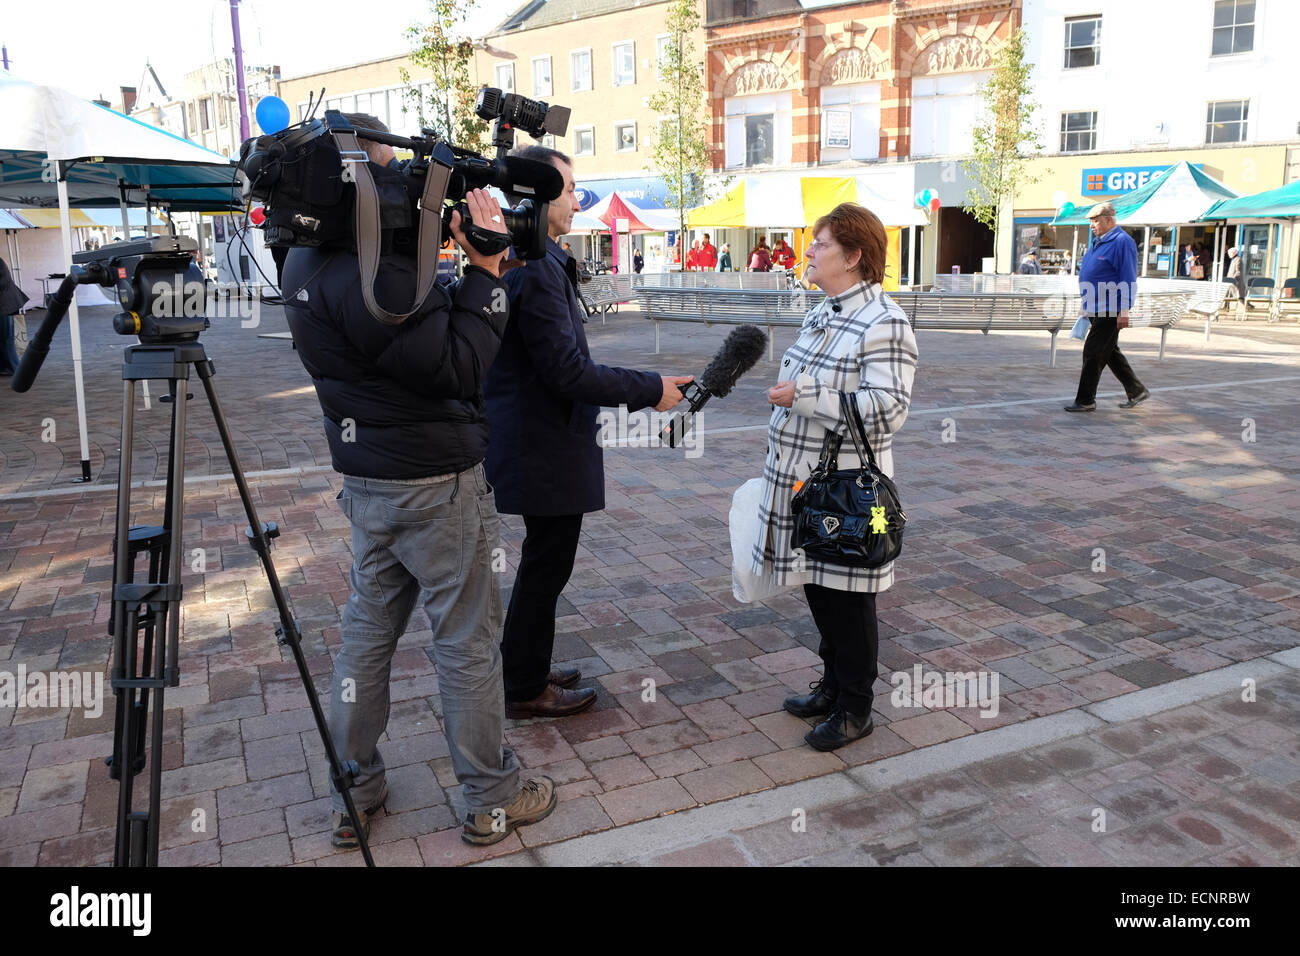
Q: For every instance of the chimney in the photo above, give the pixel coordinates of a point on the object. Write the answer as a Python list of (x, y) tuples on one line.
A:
[(128, 99)]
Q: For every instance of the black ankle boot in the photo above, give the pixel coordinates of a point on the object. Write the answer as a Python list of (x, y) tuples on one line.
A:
[(816, 704), (840, 728)]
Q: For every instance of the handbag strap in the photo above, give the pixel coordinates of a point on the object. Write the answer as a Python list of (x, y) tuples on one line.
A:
[(857, 429)]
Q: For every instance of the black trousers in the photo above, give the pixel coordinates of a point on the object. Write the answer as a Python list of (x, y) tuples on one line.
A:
[(1101, 350), (550, 545), (849, 645)]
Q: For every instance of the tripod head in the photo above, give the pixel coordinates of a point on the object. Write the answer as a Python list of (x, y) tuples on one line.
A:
[(159, 287)]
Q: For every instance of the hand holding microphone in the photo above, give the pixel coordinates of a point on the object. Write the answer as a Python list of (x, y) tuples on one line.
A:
[(673, 393), (742, 348)]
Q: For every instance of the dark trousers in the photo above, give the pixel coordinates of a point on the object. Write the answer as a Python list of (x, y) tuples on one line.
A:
[(1101, 350), (550, 545), (850, 642)]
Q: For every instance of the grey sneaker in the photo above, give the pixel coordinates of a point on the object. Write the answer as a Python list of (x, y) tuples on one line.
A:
[(535, 801), (344, 835)]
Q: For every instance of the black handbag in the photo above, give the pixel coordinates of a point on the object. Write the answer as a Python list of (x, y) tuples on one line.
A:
[(851, 517)]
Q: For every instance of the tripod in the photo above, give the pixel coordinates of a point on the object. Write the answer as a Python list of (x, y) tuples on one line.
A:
[(146, 615)]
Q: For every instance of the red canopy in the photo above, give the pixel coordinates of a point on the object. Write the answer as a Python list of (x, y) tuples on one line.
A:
[(618, 209)]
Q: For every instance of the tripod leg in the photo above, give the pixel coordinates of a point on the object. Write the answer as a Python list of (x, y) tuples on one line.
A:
[(166, 669), (124, 638), (341, 776)]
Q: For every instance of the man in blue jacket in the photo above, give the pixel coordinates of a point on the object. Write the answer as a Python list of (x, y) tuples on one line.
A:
[(1107, 286), (406, 426), (543, 395)]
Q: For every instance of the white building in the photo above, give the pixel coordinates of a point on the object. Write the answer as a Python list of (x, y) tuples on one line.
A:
[(1127, 88)]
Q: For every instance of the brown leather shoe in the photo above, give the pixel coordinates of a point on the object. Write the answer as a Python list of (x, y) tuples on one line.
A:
[(564, 676), (552, 702)]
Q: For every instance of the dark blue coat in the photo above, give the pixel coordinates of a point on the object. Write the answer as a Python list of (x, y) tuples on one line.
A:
[(544, 393)]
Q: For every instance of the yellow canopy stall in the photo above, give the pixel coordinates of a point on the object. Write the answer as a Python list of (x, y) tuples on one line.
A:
[(782, 202)]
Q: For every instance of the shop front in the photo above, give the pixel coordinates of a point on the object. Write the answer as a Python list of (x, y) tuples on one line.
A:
[(1165, 249)]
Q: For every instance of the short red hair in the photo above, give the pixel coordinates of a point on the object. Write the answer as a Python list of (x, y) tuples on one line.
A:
[(858, 229)]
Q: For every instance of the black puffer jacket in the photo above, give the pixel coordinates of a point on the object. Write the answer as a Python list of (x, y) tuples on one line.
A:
[(400, 401)]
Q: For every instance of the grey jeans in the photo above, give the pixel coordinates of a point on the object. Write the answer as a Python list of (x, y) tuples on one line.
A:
[(430, 542)]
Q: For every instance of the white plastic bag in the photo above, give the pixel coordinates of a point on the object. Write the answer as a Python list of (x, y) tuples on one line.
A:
[(745, 526), (1080, 330)]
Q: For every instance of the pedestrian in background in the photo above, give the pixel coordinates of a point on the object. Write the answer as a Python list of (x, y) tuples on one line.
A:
[(12, 299), (1234, 273), (724, 261), (638, 262), (1029, 265), (708, 257), (760, 260), (1107, 286)]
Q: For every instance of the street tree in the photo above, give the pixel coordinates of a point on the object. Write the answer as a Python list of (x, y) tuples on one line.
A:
[(680, 147), (1006, 137), (442, 47)]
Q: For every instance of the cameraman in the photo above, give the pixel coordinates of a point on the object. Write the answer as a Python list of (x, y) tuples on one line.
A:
[(406, 425)]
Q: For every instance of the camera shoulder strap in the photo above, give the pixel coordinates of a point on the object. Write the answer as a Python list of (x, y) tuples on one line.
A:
[(368, 230)]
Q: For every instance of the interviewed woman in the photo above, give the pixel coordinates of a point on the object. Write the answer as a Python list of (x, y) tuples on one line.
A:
[(857, 341)]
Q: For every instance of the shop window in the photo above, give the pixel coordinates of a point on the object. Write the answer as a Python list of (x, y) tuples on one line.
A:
[(1078, 132), (759, 130), (850, 122), (1234, 27), (1082, 42), (758, 140), (1225, 121)]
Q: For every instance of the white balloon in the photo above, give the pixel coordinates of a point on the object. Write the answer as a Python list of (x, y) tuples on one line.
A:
[(1058, 198)]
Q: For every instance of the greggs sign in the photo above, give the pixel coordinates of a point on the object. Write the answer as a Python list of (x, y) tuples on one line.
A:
[(1116, 180)]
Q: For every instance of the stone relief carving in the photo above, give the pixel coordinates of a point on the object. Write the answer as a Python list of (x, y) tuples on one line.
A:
[(758, 77), (854, 66), (952, 55)]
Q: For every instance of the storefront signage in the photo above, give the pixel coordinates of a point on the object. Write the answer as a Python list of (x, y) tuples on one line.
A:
[(1116, 180)]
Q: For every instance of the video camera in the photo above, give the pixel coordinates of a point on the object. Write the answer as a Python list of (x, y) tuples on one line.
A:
[(319, 189)]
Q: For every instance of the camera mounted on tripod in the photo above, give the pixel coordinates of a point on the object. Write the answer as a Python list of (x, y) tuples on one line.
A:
[(319, 189)]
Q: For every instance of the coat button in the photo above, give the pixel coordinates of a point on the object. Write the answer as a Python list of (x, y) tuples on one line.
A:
[(802, 367), (787, 362)]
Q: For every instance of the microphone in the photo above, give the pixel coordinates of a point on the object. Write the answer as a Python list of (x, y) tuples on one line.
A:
[(741, 349), (530, 179)]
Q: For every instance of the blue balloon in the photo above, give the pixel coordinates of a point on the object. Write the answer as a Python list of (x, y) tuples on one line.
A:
[(272, 114)]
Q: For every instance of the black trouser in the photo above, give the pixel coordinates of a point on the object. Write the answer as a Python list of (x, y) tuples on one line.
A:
[(550, 545), (1101, 350), (850, 642)]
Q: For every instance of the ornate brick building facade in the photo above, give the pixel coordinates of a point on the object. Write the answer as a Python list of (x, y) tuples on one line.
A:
[(878, 49)]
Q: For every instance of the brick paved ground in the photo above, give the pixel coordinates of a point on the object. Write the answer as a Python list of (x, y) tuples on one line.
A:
[(1208, 783), (1202, 571)]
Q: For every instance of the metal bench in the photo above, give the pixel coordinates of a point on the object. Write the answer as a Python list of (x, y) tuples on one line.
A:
[(604, 293), (987, 312), (1210, 299)]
